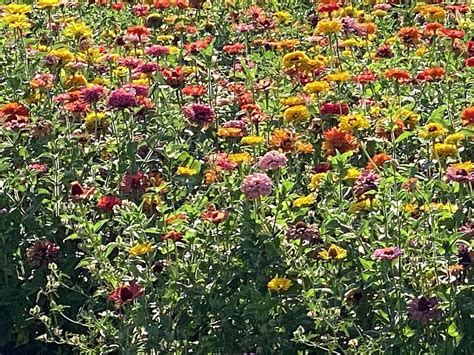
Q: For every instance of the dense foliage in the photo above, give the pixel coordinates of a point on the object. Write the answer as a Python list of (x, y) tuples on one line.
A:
[(236, 176)]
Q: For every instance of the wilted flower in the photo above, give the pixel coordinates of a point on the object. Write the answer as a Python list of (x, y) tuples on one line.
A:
[(305, 232), (423, 309), (42, 253)]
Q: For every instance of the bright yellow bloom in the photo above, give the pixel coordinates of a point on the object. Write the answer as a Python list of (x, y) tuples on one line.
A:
[(77, 30), (352, 174), (304, 201), (292, 101), (316, 180), (141, 249), (279, 284), (120, 71), (339, 77), (165, 38), (438, 206), (63, 54), (363, 205), (96, 122), (20, 21), (420, 52), (432, 130), (47, 4), (468, 166), (229, 132), (443, 150), (408, 117), (183, 170), (304, 147), (17, 9), (328, 26), (454, 138), (76, 81), (353, 123), (334, 252), (317, 87), (252, 140), (432, 12), (283, 16), (239, 158), (294, 60), (297, 113), (317, 62)]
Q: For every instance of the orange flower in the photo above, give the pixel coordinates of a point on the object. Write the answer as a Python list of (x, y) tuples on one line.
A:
[(283, 139), (409, 35), (467, 116), (378, 160), (140, 31), (401, 76), (432, 28), (431, 74), (336, 139)]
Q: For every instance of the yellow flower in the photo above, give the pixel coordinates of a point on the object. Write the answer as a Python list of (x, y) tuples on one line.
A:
[(120, 71), (279, 284), (183, 170), (379, 13), (304, 147), (165, 38), (408, 117), (432, 12), (317, 62), (239, 158), (317, 87), (76, 81), (328, 26), (339, 77), (252, 140), (443, 150), (141, 249), (316, 180), (17, 9), (173, 49), (77, 30), (96, 122), (294, 59), (304, 201), (351, 42), (47, 4), (438, 206), (334, 252), (432, 130), (298, 113), (352, 174), (421, 51), (63, 54), (292, 101), (467, 165), (363, 205), (283, 16), (454, 138), (353, 123), (20, 21)]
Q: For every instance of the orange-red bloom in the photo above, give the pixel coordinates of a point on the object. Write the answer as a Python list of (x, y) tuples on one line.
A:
[(338, 140), (409, 35)]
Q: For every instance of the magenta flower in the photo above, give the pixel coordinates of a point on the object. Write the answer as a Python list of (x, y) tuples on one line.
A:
[(367, 181), (272, 160), (92, 94), (388, 253), (200, 115), (157, 51), (121, 99), (256, 185)]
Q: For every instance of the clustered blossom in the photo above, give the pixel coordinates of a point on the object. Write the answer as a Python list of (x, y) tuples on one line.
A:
[(256, 185), (198, 114), (367, 182), (273, 160)]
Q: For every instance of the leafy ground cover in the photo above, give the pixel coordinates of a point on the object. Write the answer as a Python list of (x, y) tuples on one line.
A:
[(236, 177)]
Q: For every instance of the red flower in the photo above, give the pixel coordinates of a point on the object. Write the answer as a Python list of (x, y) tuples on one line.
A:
[(106, 203), (234, 48), (467, 116), (214, 216), (432, 28), (431, 74), (14, 115), (174, 77), (80, 193), (365, 77), (195, 47), (328, 7), (126, 293), (140, 31), (384, 51), (453, 34), (469, 62), (409, 35), (194, 90), (161, 4), (173, 235), (337, 108), (134, 182), (117, 6), (378, 160)]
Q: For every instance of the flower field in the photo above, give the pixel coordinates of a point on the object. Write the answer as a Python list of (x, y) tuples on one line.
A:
[(233, 177)]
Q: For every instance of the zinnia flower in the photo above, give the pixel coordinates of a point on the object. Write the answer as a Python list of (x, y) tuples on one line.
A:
[(198, 114), (256, 185), (334, 252), (388, 253), (424, 309), (108, 202), (273, 160), (126, 293), (338, 140), (141, 249), (42, 253), (308, 233), (278, 284)]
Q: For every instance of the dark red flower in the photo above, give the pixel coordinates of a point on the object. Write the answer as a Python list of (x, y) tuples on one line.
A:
[(337, 108), (173, 235), (108, 202), (80, 193), (126, 293)]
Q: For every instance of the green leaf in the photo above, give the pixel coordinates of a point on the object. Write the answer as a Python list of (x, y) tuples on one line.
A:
[(453, 330)]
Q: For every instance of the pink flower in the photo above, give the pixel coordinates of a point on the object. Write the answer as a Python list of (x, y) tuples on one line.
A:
[(256, 185), (157, 51), (272, 160), (200, 115), (388, 253), (121, 99), (93, 93)]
